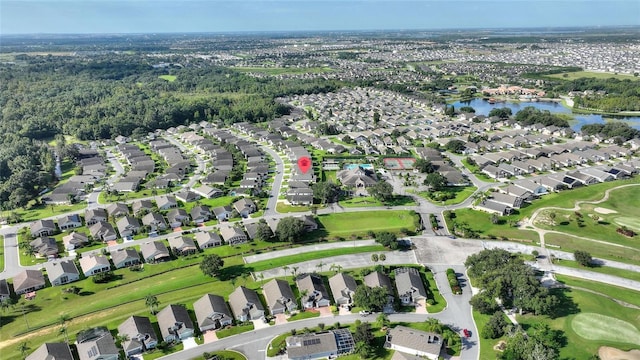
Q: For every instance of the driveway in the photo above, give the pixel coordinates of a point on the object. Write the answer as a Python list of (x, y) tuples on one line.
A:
[(209, 336), (189, 343)]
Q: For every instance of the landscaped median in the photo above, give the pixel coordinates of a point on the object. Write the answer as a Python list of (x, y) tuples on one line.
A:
[(360, 223)]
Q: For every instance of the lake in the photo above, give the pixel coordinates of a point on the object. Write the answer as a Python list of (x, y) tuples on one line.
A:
[(483, 107)]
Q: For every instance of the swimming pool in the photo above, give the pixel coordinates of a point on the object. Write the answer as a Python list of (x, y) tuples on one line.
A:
[(353, 166)]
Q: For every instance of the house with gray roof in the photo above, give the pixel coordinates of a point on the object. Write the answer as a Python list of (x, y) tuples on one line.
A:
[(125, 257), (4, 289), (182, 245), (102, 348), (511, 201), (212, 312), (166, 202), (140, 335), (42, 228), (69, 222), (200, 214), (317, 295), (155, 221), (62, 272), (116, 210), (534, 188), (45, 246), (128, 226), (207, 239), (177, 217), (94, 264), (28, 281), (357, 177), (412, 341), (95, 215), (233, 235), (103, 231), (245, 304), (330, 344), (245, 207), (154, 251), (410, 286), (142, 207), (343, 287), (279, 296), (222, 213), (493, 207), (175, 323), (51, 351), (378, 279)]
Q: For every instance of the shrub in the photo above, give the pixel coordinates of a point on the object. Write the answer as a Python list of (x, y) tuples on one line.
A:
[(453, 282)]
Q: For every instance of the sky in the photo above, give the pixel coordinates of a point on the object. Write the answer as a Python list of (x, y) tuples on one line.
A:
[(171, 16)]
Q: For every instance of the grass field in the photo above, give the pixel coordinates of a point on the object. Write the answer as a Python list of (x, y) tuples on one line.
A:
[(630, 222), (307, 256), (622, 294), (169, 78), (281, 207), (591, 74), (461, 193), (601, 327), (602, 250), (627, 274), (370, 201), (1, 253), (480, 222), (35, 212), (282, 71), (361, 222)]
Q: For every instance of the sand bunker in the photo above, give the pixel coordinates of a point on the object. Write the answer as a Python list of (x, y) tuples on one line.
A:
[(609, 353), (600, 210)]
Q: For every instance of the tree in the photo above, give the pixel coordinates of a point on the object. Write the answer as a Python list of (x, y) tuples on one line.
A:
[(23, 348), (290, 229), (387, 239), (6, 303), (211, 265), (484, 303), (495, 218), (152, 302), (383, 320), (364, 350), (495, 327), (455, 146), (583, 258), (325, 191), (502, 113), (423, 165), (381, 190), (467, 109), (374, 257), (263, 232), (63, 328), (370, 298), (376, 117), (363, 333), (435, 181)]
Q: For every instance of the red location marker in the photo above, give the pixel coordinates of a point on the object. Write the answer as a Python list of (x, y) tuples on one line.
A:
[(304, 163)]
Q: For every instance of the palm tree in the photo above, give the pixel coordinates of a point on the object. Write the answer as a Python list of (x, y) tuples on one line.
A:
[(285, 269), (336, 268), (120, 338), (294, 269), (63, 329), (320, 265), (24, 346), (152, 302), (6, 303), (303, 294), (261, 277)]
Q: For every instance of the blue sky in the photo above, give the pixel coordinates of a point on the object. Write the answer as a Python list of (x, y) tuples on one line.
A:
[(153, 16)]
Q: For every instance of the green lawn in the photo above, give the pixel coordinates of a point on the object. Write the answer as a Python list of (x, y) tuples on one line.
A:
[(597, 327), (1, 252), (486, 345), (627, 274), (169, 78), (36, 212), (363, 201), (577, 302), (342, 224), (234, 330), (460, 194), (304, 315), (602, 250), (480, 222), (439, 302), (157, 353), (591, 74), (623, 294), (307, 256), (281, 207)]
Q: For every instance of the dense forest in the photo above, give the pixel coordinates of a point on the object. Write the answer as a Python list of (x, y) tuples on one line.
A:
[(610, 95), (530, 115), (611, 130), (103, 97)]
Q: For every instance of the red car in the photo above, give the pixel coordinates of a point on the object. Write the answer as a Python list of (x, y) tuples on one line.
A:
[(466, 332)]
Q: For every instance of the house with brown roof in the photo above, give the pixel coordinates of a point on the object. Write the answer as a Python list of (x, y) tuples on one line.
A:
[(207, 239), (125, 257), (28, 281), (74, 240), (245, 304), (103, 231), (279, 296), (182, 245), (42, 228), (117, 209), (378, 279), (45, 246), (212, 312), (233, 235)]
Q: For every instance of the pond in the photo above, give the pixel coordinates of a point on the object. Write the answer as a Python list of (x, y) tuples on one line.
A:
[(483, 107)]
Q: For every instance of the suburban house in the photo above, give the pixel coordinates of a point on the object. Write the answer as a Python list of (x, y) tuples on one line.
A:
[(4, 289), (245, 207), (94, 264), (166, 202), (175, 323), (69, 222), (207, 191), (309, 222), (279, 296), (45, 246), (357, 178), (154, 221), (212, 312), (330, 344), (62, 272), (141, 207), (28, 281), (116, 210), (343, 287), (207, 239), (200, 214), (410, 286), (125, 257), (378, 279), (245, 304), (103, 231), (233, 235), (177, 218), (415, 342), (313, 286), (140, 335), (74, 240), (128, 226), (51, 351), (102, 348), (222, 213), (182, 245), (154, 251), (95, 215), (42, 228)]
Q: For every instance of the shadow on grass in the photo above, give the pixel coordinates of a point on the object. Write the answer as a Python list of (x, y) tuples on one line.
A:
[(86, 293), (234, 271), (565, 306)]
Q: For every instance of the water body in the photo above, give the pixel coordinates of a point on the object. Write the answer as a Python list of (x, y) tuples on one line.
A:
[(483, 107)]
